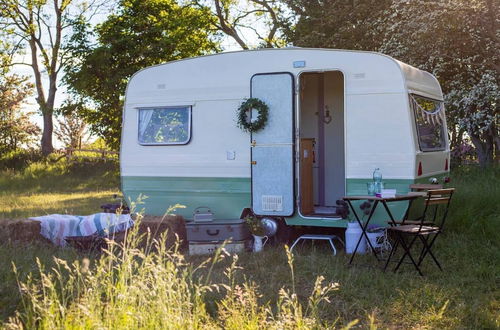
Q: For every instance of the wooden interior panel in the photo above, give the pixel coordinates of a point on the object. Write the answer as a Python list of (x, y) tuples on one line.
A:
[(306, 175)]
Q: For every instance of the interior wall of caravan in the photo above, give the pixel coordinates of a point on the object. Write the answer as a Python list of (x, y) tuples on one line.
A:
[(322, 154)]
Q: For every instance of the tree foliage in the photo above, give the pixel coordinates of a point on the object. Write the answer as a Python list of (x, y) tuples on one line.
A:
[(342, 24), (456, 40), (16, 129), (71, 128), (41, 27), (139, 34)]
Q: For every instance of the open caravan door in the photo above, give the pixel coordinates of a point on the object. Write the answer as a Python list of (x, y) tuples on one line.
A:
[(272, 147)]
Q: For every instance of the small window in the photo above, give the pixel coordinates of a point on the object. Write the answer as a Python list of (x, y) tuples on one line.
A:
[(161, 126), (430, 120)]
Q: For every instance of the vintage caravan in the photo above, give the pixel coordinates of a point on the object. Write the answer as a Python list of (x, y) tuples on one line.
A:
[(333, 117)]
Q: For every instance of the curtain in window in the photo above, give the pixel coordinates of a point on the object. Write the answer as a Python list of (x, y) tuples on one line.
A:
[(144, 119)]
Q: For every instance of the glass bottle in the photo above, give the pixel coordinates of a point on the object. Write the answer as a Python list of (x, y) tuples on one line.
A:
[(377, 175)]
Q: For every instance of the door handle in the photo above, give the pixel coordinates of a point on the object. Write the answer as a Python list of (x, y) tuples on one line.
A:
[(253, 162)]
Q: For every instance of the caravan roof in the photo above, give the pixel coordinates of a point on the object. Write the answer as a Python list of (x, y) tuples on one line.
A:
[(226, 75)]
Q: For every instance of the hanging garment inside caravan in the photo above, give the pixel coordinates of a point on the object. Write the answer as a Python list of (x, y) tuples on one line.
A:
[(321, 132)]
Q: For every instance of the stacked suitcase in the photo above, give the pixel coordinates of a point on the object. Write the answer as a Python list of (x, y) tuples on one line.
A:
[(205, 234)]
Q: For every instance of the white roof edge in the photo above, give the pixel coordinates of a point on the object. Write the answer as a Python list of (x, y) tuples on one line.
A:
[(268, 49), (417, 80), (420, 81)]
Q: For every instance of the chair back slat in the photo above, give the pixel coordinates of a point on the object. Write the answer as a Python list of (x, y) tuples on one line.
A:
[(437, 200), (446, 191), (425, 186)]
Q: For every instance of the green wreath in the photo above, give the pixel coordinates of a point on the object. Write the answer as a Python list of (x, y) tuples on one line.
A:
[(243, 115)]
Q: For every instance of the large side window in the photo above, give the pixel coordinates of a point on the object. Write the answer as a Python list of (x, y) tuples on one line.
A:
[(430, 119), (164, 125)]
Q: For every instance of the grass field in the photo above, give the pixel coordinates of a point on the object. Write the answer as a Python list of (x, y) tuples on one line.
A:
[(465, 295)]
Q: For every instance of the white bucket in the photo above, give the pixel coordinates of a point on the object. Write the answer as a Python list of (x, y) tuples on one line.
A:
[(352, 234), (376, 238)]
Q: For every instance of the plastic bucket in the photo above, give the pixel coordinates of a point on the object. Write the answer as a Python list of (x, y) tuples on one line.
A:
[(376, 238), (352, 235)]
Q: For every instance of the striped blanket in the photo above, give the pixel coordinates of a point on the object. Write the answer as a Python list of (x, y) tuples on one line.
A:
[(56, 227)]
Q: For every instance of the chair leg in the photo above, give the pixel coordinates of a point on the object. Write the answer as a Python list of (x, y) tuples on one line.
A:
[(403, 244), (425, 249), (393, 249), (408, 253), (428, 250)]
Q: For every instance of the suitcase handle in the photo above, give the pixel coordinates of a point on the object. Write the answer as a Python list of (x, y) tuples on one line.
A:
[(200, 208), (213, 233)]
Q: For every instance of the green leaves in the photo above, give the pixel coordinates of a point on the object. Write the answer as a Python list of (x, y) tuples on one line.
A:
[(456, 40), (140, 34), (16, 129)]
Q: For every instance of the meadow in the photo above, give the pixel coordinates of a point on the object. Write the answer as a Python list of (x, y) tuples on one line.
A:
[(132, 288)]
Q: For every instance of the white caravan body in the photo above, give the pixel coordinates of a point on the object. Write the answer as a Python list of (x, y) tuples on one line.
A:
[(363, 110)]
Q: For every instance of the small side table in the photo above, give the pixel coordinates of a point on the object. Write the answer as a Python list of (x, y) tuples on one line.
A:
[(313, 237), (384, 201)]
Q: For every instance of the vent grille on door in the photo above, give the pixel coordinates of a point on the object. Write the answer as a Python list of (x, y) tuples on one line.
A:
[(272, 203)]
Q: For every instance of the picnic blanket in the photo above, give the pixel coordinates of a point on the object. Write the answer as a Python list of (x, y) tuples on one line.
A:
[(56, 227)]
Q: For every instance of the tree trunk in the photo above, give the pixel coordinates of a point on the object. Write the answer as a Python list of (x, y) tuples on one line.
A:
[(484, 150), (48, 127)]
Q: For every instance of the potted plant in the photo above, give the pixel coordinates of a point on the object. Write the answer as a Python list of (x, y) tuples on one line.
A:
[(255, 226)]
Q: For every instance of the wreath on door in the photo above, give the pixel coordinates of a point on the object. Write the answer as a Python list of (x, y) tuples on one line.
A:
[(244, 115)]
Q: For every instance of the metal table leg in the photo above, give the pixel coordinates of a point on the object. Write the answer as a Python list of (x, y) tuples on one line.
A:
[(363, 230)]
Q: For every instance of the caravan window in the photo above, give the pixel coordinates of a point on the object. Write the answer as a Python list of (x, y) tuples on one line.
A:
[(430, 120), (164, 126)]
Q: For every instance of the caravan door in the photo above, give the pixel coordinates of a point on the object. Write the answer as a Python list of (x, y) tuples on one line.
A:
[(272, 147)]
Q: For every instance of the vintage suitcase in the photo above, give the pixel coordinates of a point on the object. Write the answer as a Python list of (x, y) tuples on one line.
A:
[(217, 230), (200, 248)]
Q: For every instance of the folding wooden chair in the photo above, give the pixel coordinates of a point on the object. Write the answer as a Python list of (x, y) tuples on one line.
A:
[(420, 188), (436, 207)]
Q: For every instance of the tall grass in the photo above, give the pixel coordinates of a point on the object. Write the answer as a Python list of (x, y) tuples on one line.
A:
[(476, 203), (270, 289), (132, 288)]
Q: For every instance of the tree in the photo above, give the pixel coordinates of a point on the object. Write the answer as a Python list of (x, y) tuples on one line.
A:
[(16, 129), (71, 129), (262, 18), (141, 33), (458, 41), (341, 24), (41, 26)]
